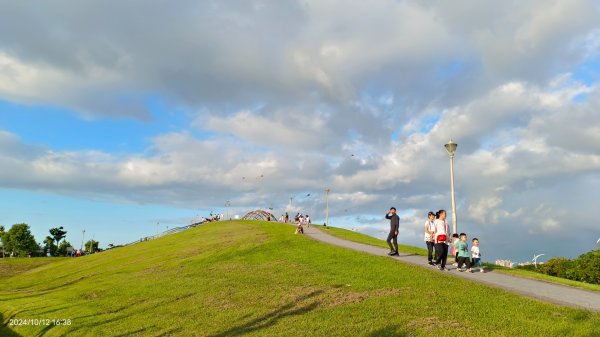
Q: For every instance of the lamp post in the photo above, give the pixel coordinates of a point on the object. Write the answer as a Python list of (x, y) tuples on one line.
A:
[(227, 204), (82, 239), (535, 257), (451, 148), (327, 206)]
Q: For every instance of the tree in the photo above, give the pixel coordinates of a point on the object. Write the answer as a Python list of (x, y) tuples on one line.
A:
[(63, 247), (19, 240), (58, 233), (588, 267), (91, 246), (49, 246), (2, 233)]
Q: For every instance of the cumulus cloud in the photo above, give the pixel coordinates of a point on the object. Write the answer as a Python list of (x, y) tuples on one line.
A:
[(296, 97)]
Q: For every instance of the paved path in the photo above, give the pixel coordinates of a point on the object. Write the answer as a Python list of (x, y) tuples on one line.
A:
[(546, 291)]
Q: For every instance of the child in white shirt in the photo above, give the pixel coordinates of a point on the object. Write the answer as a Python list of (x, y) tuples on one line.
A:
[(476, 255)]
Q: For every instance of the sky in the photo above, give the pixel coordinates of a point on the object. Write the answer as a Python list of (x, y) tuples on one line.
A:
[(124, 118)]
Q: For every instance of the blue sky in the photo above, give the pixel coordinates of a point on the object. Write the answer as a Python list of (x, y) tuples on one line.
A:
[(112, 128)]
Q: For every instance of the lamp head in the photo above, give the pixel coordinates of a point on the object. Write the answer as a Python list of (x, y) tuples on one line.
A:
[(451, 147)]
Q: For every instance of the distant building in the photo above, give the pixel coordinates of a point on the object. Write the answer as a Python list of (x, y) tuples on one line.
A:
[(505, 263)]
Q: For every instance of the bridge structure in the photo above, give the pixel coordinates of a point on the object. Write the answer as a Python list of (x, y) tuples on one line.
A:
[(259, 214)]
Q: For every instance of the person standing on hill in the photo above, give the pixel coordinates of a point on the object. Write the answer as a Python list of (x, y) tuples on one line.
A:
[(441, 237), (394, 226)]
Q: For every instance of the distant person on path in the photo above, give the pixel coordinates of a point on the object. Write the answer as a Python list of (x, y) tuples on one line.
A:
[(299, 229), (429, 231), (463, 254), (393, 235), (441, 238), (476, 255), (287, 217), (308, 221)]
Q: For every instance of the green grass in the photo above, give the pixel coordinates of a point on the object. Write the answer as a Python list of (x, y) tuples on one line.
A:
[(362, 238), (257, 278), (12, 266), (369, 240), (547, 278)]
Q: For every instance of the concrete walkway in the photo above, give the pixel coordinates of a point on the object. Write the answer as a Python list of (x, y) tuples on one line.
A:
[(550, 292)]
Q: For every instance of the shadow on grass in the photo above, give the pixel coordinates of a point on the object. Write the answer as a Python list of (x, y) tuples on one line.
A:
[(270, 319), (5, 331), (389, 331)]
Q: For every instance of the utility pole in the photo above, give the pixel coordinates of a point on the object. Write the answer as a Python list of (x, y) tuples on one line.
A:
[(82, 239)]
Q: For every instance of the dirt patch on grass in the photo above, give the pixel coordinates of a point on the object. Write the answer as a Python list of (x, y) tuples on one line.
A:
[(343, 295), (431, 324), (91, 296)]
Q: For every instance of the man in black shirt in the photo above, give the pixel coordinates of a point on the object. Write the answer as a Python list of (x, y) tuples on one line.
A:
[(394, 226)]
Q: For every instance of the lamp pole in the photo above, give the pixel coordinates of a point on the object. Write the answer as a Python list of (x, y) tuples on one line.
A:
[(327, 206), (82, 239), (227, 204), (451, 149)]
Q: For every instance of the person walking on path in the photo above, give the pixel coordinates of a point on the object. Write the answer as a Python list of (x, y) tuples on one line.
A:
[(476, 255), (462, 254), (429, 231), (393, 235), (441, 238)]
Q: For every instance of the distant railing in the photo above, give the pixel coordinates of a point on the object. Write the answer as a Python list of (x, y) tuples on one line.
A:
[(167, 232)]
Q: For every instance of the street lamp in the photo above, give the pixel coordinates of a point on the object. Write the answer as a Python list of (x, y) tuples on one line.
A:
[(535, 257), (227, 204), (451, 148), (82, 239), (327, 206)]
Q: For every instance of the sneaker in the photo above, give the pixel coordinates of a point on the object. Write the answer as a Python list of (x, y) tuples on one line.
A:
[(430, 263), (395, 254), (481, 270), (470, 270), (455, 264), (391, 252), (460, 269)]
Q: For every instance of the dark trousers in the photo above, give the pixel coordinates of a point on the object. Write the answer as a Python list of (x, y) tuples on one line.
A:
[(430, 247), (441, 254), (391, 237), (463, 261)]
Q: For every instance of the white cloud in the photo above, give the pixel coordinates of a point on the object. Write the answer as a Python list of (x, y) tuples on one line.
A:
[(302, 96)]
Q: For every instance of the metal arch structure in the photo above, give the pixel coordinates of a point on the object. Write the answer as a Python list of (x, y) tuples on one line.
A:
[(259, 215)]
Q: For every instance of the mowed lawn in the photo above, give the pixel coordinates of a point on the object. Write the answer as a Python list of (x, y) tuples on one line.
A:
[(258, 278), (369, 240)]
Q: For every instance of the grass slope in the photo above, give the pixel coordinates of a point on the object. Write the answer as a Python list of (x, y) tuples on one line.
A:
[(258, 279), (369, 240), (13, 266)]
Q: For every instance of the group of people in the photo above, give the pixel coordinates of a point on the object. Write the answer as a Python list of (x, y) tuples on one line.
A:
[(301, 221), (439, 242)]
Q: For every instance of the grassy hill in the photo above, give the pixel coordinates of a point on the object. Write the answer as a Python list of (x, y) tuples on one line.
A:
[(257, 278)]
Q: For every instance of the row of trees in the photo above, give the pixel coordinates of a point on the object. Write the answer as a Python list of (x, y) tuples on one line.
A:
[(585, 268), (19, 241)]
